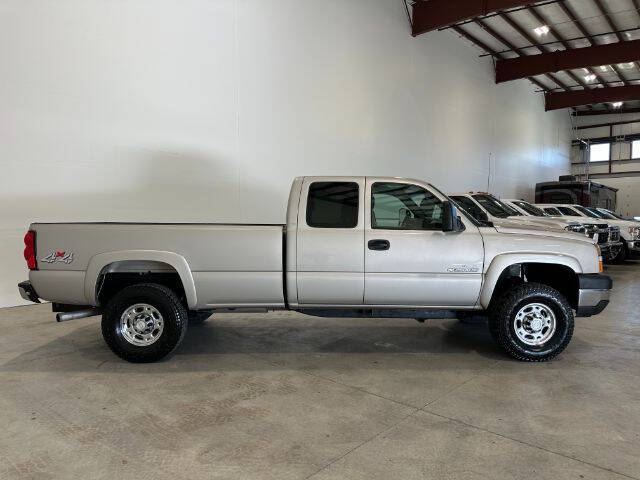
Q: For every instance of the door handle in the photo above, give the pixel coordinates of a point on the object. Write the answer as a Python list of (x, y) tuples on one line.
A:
[(379, 245)]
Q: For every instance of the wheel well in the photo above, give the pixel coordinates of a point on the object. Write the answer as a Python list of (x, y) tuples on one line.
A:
[(118, 275), (556, 276)]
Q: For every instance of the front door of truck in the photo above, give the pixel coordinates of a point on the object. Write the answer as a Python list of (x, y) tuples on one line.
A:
[(330, 248), (409, 260)]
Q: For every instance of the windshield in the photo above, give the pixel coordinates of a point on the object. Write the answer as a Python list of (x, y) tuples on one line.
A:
[(495, 207), (600, 214), (471, 209), (478, 222), (530, 209), (569, 212), (585, 212), (611, 214), (554, 212)]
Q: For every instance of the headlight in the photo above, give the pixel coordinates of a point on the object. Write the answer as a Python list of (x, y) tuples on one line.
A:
[(575, 228), (634, 232)]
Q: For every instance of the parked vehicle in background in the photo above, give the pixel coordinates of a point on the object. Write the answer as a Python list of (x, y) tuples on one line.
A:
[(351, 247), (618, 216), (529, 210), (629, 233), (608, 236), (487, 207), (570, 190)]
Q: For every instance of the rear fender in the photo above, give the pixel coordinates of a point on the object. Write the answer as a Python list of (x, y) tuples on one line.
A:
[(177, 262)]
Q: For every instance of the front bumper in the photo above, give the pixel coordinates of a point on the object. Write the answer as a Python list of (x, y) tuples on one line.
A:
[(28, 292), (633, 248), (593, 294)]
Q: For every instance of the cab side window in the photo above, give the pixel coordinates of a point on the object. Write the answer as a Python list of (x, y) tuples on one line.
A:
[(400, 206), (333, 205)]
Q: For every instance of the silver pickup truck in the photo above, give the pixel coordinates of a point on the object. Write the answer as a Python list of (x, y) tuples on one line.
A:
[(352, 246)]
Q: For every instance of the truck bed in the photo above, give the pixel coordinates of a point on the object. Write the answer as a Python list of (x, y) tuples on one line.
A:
[(231, 264)]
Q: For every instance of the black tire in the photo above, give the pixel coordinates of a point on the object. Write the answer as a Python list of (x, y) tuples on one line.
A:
[(198, 317), (622, 255), (163, 300), (503, 315)]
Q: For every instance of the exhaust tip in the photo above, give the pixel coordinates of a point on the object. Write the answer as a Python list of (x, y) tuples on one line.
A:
[(66, 316)]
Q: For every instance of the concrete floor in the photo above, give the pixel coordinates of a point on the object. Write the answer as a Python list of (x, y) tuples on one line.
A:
[(283, 396)]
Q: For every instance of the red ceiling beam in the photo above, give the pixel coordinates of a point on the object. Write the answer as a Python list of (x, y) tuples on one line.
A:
[(515, 68), (588, 113), (575, 98), (432, 14)]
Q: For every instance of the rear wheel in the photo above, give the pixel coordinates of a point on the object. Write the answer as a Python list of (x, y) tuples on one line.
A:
[(532, 322), (144, 323)]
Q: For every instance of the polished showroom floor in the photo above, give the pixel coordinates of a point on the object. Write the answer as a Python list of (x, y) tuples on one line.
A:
[(283, 396)]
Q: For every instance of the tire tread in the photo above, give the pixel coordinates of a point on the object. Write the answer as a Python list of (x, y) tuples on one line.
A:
[(110, 314), (503, 308)]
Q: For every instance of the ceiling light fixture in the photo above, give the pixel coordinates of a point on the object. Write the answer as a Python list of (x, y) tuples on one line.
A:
[(590, 78), (616, 104), (603, 68), (541, 30)]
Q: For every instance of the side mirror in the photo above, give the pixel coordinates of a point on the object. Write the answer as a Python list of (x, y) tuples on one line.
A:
[(450, 220)]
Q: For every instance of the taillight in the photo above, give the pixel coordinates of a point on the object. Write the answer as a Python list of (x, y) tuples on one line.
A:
[(30, 250)]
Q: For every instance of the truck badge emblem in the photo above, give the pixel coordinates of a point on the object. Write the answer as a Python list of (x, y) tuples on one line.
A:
[(59, 257), (463, 269)]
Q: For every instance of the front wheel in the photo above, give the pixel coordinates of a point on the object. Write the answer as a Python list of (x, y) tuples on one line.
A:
[(532, 322), (144, 323)]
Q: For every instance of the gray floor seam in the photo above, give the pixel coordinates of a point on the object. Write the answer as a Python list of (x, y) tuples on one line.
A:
[(411, 414), (522, 442), (384, 430), (321, 377)]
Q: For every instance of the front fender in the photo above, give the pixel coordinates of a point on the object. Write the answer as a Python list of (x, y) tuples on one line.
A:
[(501, 262), (98, 262)]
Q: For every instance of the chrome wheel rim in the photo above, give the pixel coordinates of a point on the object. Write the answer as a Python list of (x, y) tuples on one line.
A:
[(141, 324), (535, 324)]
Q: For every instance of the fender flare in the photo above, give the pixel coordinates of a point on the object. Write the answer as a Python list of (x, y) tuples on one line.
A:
[(501, 262), (101, 260)]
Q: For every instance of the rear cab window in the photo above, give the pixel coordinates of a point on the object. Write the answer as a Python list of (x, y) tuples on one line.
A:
[(333, 205)]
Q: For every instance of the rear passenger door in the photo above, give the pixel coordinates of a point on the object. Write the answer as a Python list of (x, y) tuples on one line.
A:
[(330, 249)]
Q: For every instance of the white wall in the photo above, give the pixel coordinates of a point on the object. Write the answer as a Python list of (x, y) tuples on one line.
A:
[(204, 110), (628, 198)]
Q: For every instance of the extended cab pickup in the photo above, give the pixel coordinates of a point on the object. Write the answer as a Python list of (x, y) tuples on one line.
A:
[(352, 246)]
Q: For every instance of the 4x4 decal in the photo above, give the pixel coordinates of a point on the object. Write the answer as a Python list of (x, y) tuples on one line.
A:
[(58, 257)]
